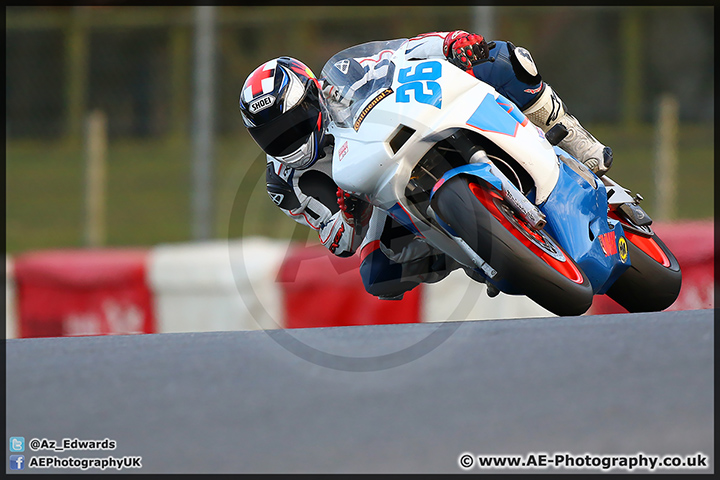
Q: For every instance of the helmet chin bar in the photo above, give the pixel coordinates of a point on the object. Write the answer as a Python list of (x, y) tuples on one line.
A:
[(303, 157)]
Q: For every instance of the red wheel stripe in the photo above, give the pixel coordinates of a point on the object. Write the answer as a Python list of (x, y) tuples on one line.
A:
[(650, 247)]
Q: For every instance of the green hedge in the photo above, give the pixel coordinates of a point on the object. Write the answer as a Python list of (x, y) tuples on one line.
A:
[(148, 195)]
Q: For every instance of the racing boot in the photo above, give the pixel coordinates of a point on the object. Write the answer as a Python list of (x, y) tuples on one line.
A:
[(549, 110)]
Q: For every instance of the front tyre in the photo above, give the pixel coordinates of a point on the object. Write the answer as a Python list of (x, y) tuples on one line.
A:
[(527, 262)]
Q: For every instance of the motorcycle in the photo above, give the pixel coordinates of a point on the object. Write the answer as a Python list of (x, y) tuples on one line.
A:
[(462, 168)]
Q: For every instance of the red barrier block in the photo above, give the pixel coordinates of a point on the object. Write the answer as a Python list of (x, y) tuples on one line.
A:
[(320, 289), (83, 292), (692, 243)]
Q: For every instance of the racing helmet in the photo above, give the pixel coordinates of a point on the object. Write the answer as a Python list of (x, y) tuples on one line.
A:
[(284, 111)]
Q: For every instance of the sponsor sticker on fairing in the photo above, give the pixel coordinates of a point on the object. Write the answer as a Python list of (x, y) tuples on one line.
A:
[(385, 93), (622, 249), (607, 242), (343, 66), (343, 151)]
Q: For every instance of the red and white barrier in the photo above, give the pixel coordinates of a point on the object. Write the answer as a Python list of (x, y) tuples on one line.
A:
[(323, 290), (259, 283), (82, 292)]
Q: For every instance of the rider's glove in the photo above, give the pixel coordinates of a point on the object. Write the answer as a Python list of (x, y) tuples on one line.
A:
[(463, 48), (356, 212)]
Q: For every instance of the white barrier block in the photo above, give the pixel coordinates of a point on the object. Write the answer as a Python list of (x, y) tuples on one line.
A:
[(218, 285), (458, 297)]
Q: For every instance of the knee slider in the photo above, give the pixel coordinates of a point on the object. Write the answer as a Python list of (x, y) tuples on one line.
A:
[(523, 65)]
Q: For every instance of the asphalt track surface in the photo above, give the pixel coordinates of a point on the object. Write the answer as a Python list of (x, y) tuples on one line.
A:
[(407, 398)]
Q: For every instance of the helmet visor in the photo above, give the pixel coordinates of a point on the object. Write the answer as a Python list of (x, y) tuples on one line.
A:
[(289, 131)]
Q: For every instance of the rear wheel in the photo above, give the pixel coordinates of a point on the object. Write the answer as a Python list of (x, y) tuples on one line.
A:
[(653, 280), (528, 262)]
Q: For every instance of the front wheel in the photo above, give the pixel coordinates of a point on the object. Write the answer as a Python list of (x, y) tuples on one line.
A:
[(652, 282), (527, 262)]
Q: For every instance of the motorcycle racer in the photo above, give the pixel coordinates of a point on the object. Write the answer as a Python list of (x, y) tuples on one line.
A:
[(286, 110)]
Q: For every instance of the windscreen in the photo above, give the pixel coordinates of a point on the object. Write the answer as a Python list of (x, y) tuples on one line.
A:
[(355, 74)]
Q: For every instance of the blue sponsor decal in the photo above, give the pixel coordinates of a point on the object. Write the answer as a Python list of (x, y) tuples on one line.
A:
[(491, 116)]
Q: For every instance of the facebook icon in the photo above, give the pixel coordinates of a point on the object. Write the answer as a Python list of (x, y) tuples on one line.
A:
[(17, 462)]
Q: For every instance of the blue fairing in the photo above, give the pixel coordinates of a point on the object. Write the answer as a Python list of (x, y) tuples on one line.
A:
[(577, 218)]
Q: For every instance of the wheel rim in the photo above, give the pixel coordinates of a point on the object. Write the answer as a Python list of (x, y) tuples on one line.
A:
[(536, 241), (539, 238)]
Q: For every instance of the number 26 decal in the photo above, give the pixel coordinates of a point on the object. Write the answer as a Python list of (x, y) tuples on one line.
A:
[(421, 83)]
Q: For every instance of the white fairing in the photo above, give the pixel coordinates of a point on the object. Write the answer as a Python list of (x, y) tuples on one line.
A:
[(432, 97)]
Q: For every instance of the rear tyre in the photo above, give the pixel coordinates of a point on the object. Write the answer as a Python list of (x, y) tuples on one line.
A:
[(527, 262), (653, 280)]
